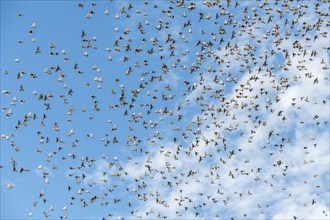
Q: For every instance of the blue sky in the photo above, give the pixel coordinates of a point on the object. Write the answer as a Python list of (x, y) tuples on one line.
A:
[(229, 105)]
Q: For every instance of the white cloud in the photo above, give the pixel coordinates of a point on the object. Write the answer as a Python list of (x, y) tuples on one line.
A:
[(290, 176)]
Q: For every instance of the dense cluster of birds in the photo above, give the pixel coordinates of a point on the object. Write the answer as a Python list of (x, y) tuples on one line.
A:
[(161, 101)]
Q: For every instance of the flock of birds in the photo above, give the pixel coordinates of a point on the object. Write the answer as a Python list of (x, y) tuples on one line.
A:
[(170, 94)]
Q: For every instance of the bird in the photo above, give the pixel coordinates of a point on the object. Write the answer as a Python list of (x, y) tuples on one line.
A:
[(10, 186)]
